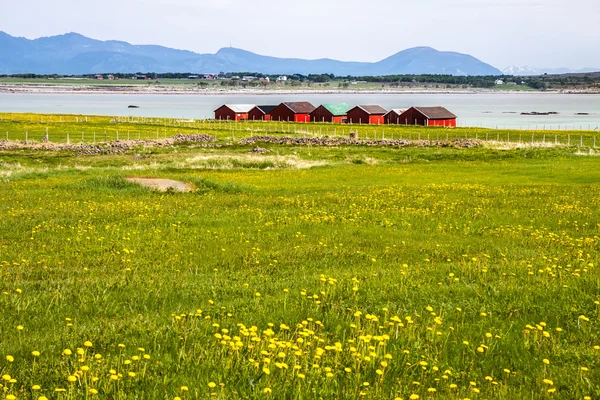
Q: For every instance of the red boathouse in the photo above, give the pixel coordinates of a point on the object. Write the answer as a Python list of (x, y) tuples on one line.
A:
[(367, 114), (292, 112), (233, 112), (428, 116), (335, 113), (393, 116), (261, 113)]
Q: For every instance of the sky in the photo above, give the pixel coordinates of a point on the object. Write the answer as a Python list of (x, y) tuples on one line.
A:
[(537, 33)]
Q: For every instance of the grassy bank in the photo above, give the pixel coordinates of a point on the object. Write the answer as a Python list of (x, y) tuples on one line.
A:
[(303, 272), (90, 129)]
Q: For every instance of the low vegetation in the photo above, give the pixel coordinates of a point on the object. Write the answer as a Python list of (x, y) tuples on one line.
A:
[(297, 272)]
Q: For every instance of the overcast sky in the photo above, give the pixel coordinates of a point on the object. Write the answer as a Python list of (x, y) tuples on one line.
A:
[(538, 33)]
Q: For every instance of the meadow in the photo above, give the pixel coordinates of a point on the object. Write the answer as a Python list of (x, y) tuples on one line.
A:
[(303, 272), (93, 129)]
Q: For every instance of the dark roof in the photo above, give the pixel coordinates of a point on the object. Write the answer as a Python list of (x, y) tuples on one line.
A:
[(266, 109), (435, 112), (300, 107), (373, 109)]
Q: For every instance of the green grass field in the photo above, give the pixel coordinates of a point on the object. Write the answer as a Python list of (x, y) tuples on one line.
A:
[(301, 273), (93, 129)]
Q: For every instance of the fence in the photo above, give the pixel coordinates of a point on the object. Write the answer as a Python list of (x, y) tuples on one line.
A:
[(81, 129)]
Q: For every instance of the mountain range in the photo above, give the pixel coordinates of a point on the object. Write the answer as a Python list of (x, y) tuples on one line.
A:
[(75, 54), (524, 70)]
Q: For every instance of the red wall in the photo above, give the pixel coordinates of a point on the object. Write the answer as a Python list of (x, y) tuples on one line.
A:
[(376, 120), (392, 118), (301, 117), (339, 120), (282, 113), (321, 114), (442, 122), (358, 116), (412, 117), (256, 115)]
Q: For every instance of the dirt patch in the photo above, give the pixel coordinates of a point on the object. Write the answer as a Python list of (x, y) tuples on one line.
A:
[(163, 185)]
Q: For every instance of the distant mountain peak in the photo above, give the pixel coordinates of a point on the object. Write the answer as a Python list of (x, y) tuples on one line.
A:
[(524, 70), (75, 54)]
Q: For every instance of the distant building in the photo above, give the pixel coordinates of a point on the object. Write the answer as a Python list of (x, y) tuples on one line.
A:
[(499, 82), (335, 113), (98, 77), (248, 78), (233, 112), (367, 114), (393, 116), (110, 77), (428, 116), (282, 78), (293, 112), (141, 77), (261, 113)]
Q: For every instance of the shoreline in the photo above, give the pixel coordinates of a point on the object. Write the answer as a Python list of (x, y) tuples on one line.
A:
[(171, 90)]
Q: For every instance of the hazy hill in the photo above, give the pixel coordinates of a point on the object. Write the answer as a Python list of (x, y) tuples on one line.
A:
[(524, 70), (76, 54)]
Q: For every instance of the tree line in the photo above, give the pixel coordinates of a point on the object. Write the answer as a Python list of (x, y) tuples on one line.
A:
[(543, 82)]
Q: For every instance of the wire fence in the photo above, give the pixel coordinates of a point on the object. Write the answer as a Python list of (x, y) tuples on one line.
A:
[(88, 129)]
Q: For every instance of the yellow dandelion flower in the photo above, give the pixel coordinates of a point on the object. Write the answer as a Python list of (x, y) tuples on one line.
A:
[(414, 397), (546, 361), (10, 358), (87, 343), (267, 390), (212, 385), (36, 387), (35, 353), (131, 374), (67, 352), (93, 391), (72, 378), (20, 327), (184, 389)]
